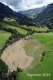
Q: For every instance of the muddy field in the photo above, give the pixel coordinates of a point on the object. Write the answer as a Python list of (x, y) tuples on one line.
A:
[(14, 56)]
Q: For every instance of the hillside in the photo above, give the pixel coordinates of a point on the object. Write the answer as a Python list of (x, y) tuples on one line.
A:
[(32, 13), (45, 17), (5, 11)]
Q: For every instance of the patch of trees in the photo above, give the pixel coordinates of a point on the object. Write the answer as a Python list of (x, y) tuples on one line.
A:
[(43, 54), (50, 26), (1, 17), (3, 70), (5, 75), (10, 23), (12, 75), (26, 22)]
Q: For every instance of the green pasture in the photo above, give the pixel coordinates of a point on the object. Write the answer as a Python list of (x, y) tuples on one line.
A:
[(44, 70)]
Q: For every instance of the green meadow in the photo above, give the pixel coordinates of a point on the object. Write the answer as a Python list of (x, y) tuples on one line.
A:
[(3, 38), (42, 71), (11, 21), (36, 28)]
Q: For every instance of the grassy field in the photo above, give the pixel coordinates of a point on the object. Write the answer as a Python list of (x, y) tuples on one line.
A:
[(34, 48), (22, 31), (36, 28), (3, 37), (46, 39), (11, 21), (39, 28), (44, 70)]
